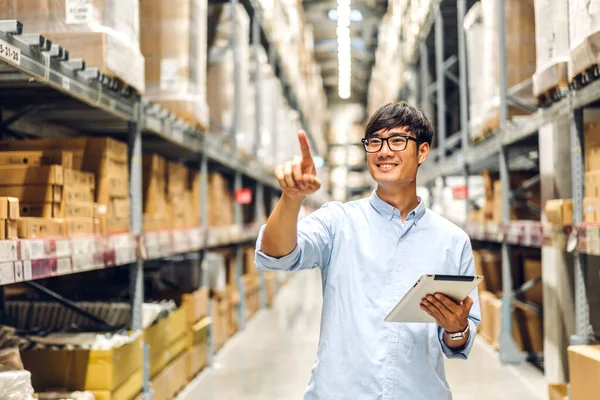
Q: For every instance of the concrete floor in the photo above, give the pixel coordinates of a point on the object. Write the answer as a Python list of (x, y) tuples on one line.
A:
[(272, 358)]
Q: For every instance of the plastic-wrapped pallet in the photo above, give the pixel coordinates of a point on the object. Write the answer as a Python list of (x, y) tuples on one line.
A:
[(173, 42), (481, 26), (552, 45), (105, 33), (221, 79), (584, 35)]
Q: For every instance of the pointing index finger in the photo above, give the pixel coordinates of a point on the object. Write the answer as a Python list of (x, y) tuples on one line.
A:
[(304, 146)]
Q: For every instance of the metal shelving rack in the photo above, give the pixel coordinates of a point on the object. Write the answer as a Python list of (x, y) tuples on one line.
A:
[(38, 75), (456, 156)]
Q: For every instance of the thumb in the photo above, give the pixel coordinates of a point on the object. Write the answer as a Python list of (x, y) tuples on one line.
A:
[(467, 303)]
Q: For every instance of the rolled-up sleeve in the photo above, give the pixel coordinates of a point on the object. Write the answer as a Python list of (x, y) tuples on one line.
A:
[(467, 267), (313, 247)]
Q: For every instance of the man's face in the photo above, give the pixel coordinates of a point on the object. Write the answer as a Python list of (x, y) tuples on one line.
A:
[(389, 167)]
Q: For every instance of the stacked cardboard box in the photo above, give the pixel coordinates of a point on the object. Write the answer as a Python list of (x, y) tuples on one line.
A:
[(481, 25), (220, 201), (173, 41), (559, 212), (584, 28), (183, 196), (167, 340), (97, 170), (105, 33), (591, 202), (220, 313), (584, 370), (108, 374), (251, 283), (9, 216), (154, 198), (233, 293), (527, 324), (558, 391), (196, 307)]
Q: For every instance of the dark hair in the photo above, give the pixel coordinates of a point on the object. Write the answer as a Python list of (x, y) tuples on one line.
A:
[(401, 115)]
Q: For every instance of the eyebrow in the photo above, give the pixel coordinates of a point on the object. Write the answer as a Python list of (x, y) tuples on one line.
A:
[(377, 135)]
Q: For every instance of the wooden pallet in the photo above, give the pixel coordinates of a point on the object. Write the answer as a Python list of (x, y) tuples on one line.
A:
[(585, 77), (551, 96), (584, 62), (551, 83), (487, 129)]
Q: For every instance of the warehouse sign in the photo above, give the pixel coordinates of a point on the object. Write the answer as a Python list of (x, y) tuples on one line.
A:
[(460, 192), (243, 196)]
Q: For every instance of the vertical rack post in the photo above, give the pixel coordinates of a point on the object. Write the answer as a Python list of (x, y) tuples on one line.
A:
[(509, 353), (236, 75), (239, 255), (204, 227), (582, 311), (464, 100), (259, 214), (136, 270), (424, 72), (440, 70), (274, 99), (257, 85)]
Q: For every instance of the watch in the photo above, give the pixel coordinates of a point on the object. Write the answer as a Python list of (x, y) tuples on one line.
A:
[(459, 335)]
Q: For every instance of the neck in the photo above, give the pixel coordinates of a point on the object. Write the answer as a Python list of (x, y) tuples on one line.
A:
[(402, 197)]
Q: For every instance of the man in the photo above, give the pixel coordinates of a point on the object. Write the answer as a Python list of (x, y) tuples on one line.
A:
[(370, 253)]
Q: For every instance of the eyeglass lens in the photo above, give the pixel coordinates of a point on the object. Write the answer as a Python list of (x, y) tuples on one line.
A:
[(396, 143)]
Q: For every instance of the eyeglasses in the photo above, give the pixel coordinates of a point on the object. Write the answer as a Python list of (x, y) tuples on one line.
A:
[(395, 143)]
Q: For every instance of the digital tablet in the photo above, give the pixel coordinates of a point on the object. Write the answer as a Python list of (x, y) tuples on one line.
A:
[(456, 287)]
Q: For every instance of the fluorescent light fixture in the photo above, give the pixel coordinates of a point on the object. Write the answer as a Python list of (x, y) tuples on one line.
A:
[(343, 16), (355, 15)]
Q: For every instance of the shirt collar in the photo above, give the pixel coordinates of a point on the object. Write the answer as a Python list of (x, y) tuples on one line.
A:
[(388, 211)]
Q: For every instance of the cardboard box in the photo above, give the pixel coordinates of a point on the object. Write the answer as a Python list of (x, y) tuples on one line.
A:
[(34, 193), (176, 177), (558, 391), (111, 55), (119, 207), (39, 228), (37, 158), (198, 358), (198, 333), (79, 226), (8, 229), (492, 270), (592, 159), (221, 308), (78, 181), (592, 184), (584, 370), (528, 328), (591, 209), (195, 305), (559, 212), (160, 385), (58, 210), (128, 390), (78, 194), (591, 132), (102, 370), (178, 378), (250, 267), (9, 208), (118, 224), (155, 184), (532, 269), (24, 175), (176, 325)]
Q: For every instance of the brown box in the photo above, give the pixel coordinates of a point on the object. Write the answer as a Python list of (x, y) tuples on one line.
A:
[(9, 208), (592, 184), (118, 224), (24, 175), (102, 370), (34, 193), (479, 270), (155, 184), (39, 228), (160, 385), (591, 131), (220, 201), (492, 270), (591, 208), (8, 229), (78, 194), (178, 378), (528, 328), (558, 391), (176, 177), (195, 305), (198, 357), (486, 327), (532, 269), (110, 55), (221, 308), (584, 370), (75, 180), (37, 158), (79, 226), (250, 267), (126, 391), (119, 207), (58, 210), (559, 212), (592, 158)]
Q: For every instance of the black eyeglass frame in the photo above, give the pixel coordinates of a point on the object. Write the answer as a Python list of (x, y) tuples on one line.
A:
[(407, 137)]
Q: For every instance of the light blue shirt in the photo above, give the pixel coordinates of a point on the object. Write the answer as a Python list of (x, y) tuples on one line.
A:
[(369, 260)]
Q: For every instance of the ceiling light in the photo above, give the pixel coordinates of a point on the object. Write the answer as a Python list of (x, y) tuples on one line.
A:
[(355, 15), (343, 15)]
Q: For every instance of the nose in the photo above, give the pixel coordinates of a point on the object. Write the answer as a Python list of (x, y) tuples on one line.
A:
[(385, 150)]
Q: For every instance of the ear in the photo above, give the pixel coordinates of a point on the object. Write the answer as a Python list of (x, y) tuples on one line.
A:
[(423, 152)]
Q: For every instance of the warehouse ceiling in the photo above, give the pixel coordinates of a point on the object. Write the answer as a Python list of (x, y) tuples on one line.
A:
[(364, 43)]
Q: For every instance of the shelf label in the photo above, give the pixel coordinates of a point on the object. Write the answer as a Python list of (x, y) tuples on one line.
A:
[(18, 271), (79, 11), (62, 248), (27, 274), (63, 266), (243, 196), (10, 53), (7, 273)]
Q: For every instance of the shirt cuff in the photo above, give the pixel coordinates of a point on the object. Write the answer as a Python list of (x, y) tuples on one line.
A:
[(266, 262), (463, 352)]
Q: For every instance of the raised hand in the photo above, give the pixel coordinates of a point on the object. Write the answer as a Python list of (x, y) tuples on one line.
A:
[(298, 178)]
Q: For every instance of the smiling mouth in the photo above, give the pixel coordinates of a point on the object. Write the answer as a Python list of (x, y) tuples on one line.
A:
[(387, 166)]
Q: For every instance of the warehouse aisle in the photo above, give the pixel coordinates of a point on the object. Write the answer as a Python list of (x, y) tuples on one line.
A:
[(272, 358)]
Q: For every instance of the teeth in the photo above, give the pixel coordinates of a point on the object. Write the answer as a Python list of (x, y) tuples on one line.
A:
[(387, 165)]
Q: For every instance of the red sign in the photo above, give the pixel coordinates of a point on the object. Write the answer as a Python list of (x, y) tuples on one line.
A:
[(243, 196), (460, 192)]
